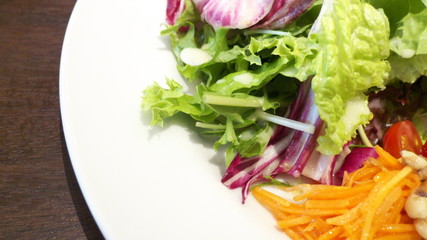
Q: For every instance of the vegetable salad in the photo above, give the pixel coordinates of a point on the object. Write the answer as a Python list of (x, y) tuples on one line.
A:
[(299, 87)]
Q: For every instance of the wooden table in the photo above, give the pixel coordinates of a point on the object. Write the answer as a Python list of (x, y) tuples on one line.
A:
[(39, 194)]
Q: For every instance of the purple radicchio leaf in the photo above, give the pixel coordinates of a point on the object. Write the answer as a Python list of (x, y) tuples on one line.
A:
[(299, 150), (237, 14), (242, 172), (174, 10), (284, 12), (288, 149), (241, 14), (322, 168), (200, 4), (356, 159)]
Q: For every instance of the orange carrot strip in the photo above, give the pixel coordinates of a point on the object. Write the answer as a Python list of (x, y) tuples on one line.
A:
[(345, 218), (318, 226), (401, 236), (346, 179), (269, 204), (412, 181), (339, 203), (336, 194), (384, 176), (293, 234), (380, 196), (414, 177), (387, 159), (291, 222), (309, 191), (353, 230), (305, 234), (314, 212), (331, 234), (396, 210), (272, 196), (377, 162), (369, 204), (368, 173), (349, 180), (293, 208), (389, 201), (397, 228), (347, 202), (363, 174), (409, 183), (383, 214), (356, 200)]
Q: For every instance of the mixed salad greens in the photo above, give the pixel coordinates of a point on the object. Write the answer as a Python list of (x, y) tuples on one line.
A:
[(295, 86)]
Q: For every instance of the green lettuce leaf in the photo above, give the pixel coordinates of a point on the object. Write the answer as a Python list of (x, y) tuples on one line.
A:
[(248, 71), (300, 53), (419, 120), (231, 123), (353, 43), (411, 35), (408, 31), (408, 69), (165, 103), (289, 56), (197, 34), (395, 10)]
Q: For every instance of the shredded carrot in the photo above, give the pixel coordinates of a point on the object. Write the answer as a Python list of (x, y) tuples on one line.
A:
[(331, 234), (293, 234), (397, 208), (317, 226), (377, 197), (401, 236), (307, 235), (295, 221), (368, 205), (397, 228), (335, 193), (345, 218), (318, 191), (340, 203), (363, 174), (387, 159)]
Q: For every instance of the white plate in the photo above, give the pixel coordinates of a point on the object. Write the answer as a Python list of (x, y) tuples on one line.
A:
[(141, 182)]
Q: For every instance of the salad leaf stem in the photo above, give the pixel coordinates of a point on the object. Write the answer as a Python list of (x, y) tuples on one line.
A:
[(267, 31), (210, 126), (363, 136), (309, 128), (215, 99)]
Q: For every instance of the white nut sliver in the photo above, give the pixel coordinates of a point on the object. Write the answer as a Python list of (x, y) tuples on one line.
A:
[(194, 56), (421, 227), (416, 204), (413, 160)]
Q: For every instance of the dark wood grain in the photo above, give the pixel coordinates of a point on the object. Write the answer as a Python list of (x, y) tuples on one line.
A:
[(39, 194)]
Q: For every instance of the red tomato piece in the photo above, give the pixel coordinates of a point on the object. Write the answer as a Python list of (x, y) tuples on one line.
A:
[(425, 149), (402, 136)]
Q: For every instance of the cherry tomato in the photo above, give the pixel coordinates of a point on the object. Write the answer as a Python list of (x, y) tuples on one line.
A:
[(402, 136), (425, 149)]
